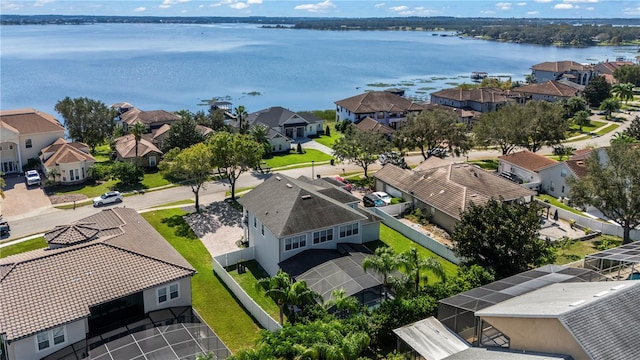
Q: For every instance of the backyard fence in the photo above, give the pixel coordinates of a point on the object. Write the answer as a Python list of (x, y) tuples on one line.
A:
[(395, 209), (233, 258), (416, 236)]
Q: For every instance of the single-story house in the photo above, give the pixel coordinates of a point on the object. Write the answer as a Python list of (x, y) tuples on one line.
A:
[(479, 99), (287, 123), (522, 167), (552, 90), (444, 190), (148, 153), (151, 119), (23, 133), (385, 107), (69, 162), (284, 217), (556, 70), (98, 274)]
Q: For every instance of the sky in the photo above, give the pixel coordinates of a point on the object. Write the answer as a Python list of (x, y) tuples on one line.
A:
[(330, 8)]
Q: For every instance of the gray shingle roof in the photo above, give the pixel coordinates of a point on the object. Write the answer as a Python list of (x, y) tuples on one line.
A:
[(287, 206), (276, 116)]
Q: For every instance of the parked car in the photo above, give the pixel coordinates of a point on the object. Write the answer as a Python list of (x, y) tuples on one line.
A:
[(4, 229), (108, 198), (371, 200), (437, 151), (32, 178), (383, 196)]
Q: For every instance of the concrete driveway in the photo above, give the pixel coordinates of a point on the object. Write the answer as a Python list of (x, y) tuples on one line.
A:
[(19, 199)]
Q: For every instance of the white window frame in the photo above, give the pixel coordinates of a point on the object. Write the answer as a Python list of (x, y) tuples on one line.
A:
[(349, 230), (153, 161), (50, 338), (28, 143), (295, 242), (167, 293), (322, 236)]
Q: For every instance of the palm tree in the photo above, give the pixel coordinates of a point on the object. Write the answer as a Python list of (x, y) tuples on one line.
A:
[(623, 91), (2, 185), (530, 79), (52, 174), (414, 266), (581, 118), (383, 261), (286, 293), (137, 130), (241, 115), (299, 295), (345, 305), (609, 105), (259, 133)]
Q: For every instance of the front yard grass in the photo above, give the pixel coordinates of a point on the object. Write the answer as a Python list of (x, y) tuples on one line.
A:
[(294, 158), (92, 189), (574, 130), (33, 244), (210, 297), (329, 141), (487, 164), (607, 129)]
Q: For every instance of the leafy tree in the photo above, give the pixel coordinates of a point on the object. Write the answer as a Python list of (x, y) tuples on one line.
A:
[(634, 128), (429, 129), (609, 105), (530, 79), (415, 267), (192, 165), (596, 90), (126, 172), (622, 137), (563, 151), (260, 133), (183, 133), (361, 147), (502, 236), (87, 120), (385, 262), (623, 91), (573, 105), (234, 154), (214, 119), (500, 128), (628, 74), (581, 118), (543, 124), (241, 115), (137, 130), (612, 185)]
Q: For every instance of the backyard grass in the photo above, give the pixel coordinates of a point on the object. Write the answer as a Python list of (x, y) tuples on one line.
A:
[(294, 158), (102, 153), (553, 201), (36, 243), (400, 243), (210, 297), (579, 249), (248, 282), (334, 135), (487, 164)]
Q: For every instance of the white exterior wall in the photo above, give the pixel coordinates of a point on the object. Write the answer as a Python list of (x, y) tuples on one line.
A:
[(27, 348), (342, 114), (150, 297), (312, 129), (526, 175), (370, 232), (65, 171), (266, 246), (553, 182), (280, 144), (38, 142)]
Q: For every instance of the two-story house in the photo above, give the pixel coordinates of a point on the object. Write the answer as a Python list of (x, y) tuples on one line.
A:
[(522, 167), (152, 120), (554, 177), (479, 99), (68, 162), (385, 107), (551, 91), (570, 70)]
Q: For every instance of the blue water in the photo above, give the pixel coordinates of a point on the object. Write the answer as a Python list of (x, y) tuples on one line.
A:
[(173, 67)]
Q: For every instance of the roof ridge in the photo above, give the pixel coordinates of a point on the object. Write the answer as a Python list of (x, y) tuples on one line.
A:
[(146, 256)]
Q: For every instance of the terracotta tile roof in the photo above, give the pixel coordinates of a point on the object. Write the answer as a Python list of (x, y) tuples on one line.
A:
[(30, 121), (375, 101), (481, 95), (608, 67), (161, 130), (46, 288), (561, 66), (126, 147), (369, 124), (528, 160), (453, 187), (551, 87), (72, 234), (149, 117), (204, 130), (64, 152)]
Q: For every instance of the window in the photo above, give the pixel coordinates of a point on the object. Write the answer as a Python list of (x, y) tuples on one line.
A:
[(152, 161), (167, 293), (563, 172), (49, 338), (349, 230), (27, 143), (295, 242), (255, 224), (262, 229), (322, 236)]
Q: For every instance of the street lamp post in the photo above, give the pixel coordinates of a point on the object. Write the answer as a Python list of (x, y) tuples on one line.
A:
[(312, 170)]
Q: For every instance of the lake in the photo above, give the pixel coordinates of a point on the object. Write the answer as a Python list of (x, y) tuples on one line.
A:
[(177, 66)]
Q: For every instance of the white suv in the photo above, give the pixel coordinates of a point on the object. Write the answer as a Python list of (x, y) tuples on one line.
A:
[(32, 178), (108, 198)]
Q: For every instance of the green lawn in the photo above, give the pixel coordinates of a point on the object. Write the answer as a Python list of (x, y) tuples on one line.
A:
[(295, 158), (37, 243), (579, 249), (609, 128), (574, 130), (487, 164), (400, 243), (210, 297), (91, 190), (102, 153), (553, 201), (329, 140), (248, 282)]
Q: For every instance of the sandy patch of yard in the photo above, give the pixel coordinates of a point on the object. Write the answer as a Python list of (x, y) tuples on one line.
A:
[(219, 227), (431, 231)]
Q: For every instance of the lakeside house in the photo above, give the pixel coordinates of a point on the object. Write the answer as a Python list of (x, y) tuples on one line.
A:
[(607, 68), (285, 126), (66, 162), (481, 100), (551, 91), (555, 70), (385, 107)]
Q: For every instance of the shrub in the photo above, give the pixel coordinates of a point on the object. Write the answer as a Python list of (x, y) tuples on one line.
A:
[(99, 172), (299, 148), (127, 172), (587, 231), (327, 131)]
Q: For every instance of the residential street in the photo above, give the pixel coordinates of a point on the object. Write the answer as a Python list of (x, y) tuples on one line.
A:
[(44, 219)]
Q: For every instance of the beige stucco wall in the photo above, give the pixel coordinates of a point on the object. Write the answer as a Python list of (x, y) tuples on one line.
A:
[(538, 334), (184, 299), (38, 142)]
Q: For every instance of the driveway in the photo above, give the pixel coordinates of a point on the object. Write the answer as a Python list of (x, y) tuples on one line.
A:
[(21, 200), (219, 227)]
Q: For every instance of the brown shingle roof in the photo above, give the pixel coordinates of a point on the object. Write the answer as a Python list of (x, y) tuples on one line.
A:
[(578, 167), (375, 101), (481, 95), (64, 152), (149, 117), (608, 67), (561, 66), (30, 121), (551, 87), (369, 124), (528, 160), (46, 288), (126, 147)]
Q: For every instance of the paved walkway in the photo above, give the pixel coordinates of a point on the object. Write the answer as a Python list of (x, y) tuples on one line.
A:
[(312, 144)]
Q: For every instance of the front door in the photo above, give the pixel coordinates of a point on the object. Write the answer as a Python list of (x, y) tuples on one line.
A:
[(299, 132), (8, 167), (289, 132)]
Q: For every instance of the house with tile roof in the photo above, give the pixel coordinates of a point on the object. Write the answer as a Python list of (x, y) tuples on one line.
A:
[(551, 91), (570, 70), (69, 162), (23, 133), (590, 320), (148, 153), (607, 68), (152, 120), (158, 135), (553, 178), (444, 191), (479, 99), (368, 124), (286, 123), (108, 269), (522, 167), (385, 107), (284, 217)]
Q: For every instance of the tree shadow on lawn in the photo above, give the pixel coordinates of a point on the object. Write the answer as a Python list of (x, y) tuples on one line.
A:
[(216, 215), (181, 227)]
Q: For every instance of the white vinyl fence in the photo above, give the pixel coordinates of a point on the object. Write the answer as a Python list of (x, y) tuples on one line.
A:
[(593, 224), (395, 209), (233, 258)]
